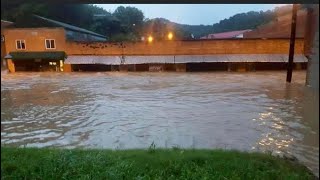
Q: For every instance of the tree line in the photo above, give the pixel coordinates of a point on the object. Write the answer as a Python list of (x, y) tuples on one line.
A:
[(129, 23)]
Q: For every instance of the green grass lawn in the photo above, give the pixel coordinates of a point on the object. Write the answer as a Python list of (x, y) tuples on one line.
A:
[(33, 163)]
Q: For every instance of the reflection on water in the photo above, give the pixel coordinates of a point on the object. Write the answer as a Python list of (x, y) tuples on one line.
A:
[(246, 111)]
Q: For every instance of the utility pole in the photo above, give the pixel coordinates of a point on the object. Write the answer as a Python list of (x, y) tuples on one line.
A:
[(292, 42)]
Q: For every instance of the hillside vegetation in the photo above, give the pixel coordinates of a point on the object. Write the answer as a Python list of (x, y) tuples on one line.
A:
[(129, 23)]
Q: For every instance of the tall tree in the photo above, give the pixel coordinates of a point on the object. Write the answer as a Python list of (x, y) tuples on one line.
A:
[(131, 19)]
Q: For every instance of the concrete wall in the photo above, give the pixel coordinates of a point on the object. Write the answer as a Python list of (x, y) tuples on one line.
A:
[(310, 28), (34, 38), (232, 46), (313, 64)]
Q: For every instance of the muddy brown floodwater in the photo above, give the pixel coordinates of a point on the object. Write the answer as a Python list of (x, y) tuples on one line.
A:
[(254, 111)]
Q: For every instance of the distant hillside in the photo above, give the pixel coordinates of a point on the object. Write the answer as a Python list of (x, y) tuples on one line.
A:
[(129, 23), (159, 26), (280, 27), (240, 21), (250, 20)]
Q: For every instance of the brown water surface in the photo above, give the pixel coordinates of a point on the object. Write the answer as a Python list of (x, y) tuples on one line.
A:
[(245, 111)]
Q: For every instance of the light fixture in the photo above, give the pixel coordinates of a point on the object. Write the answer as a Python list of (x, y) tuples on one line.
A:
[(150, 39), (170, 36)]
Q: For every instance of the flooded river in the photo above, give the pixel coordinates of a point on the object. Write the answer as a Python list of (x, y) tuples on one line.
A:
[(245, 111)]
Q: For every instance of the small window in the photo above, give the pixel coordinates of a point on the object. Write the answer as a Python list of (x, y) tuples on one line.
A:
[(50, 44), (21, 44)]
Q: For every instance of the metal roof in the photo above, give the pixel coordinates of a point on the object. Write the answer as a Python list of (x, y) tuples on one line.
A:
[(224, 35), (68, 26), (116, 60), (109, 60), (239, 58), (5, 23), (148, 59)]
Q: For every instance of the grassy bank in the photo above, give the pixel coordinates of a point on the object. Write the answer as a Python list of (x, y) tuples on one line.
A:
[(32, 163)]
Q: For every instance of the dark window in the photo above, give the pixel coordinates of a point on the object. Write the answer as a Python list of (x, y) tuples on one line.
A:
[(21, 44), (50, 44)]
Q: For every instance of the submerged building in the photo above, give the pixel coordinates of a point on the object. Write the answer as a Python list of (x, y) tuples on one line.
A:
[(43, 44), (39, 45)]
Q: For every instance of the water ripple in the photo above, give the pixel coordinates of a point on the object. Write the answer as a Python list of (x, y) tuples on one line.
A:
[(246, 111)]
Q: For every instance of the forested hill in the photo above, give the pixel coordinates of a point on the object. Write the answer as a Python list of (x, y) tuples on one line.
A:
[(129, 23), (241, 21)]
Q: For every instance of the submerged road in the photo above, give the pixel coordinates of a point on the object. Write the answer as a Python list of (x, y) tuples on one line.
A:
[(254, 111)]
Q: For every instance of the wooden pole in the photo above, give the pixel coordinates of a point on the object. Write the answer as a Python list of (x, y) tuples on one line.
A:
[(292, 42)]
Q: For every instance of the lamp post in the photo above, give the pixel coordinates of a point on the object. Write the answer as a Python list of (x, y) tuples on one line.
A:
[(292, 42)]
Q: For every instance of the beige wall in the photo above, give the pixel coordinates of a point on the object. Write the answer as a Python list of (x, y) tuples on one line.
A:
[(232, 46), (34, 38), (313, 63)]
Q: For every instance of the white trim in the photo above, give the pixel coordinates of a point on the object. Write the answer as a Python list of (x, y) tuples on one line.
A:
[(25, 45), (54, 42)]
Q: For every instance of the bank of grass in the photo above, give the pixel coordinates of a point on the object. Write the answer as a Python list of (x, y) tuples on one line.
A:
[(33, 163)]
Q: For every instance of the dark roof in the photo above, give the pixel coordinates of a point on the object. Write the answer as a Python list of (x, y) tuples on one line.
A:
[(70, 27), (5, 23), (38, 55)]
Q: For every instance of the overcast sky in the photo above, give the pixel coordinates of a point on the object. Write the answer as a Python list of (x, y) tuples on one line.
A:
[(194, 14)]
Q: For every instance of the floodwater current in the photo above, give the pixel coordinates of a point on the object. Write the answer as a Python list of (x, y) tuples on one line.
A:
[(253, 111)]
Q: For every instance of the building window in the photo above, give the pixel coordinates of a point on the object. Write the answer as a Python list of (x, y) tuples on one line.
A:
[(50, 44), (52, 63), (20, 44)]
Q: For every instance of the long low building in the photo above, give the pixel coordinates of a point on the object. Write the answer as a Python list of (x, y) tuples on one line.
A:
[(235, 62), (118, 60), (52, 49)]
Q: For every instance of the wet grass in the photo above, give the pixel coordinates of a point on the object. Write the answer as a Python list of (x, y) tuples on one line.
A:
[(33, 163)]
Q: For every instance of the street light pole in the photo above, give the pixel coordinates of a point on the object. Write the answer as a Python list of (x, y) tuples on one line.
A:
[(292, 42)]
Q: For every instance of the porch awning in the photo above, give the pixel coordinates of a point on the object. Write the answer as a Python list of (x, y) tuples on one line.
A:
[(107, 60), (149, 59), (56, 55), (239, 58), (116, 60)]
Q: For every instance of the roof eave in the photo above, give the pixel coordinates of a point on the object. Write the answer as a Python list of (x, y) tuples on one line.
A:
[(70, 27), (9, 22)]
